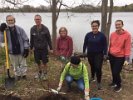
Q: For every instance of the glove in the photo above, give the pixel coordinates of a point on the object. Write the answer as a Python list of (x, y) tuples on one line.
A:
[(126, 63), (3, 27), (26, 53), (59, 87), (105, 57), (87, 97)]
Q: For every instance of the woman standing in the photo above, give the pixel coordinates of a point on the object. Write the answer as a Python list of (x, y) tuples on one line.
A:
[(119, 52), (96, 45)]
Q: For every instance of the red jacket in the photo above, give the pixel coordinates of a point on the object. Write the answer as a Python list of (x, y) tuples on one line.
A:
[(120, 44), (64, 46)]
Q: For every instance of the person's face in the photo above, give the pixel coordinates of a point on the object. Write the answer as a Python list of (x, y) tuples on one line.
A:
[(10, 20), (63, 33), (38, 20), (95, 27), (118, 25)]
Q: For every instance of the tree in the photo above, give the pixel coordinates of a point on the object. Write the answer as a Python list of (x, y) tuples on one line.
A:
[(106, 18), (55, 8)]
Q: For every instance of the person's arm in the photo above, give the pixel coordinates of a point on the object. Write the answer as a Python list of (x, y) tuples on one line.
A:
[(31, 39), (86, 80), (70, 44), (85, 43), (127, 47), (49, 39), (25, 39)]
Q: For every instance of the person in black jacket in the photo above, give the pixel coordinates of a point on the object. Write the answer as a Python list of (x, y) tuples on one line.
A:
[(96, 45), (39, 41)]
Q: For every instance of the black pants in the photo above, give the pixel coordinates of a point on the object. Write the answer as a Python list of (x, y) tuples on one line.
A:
[(96, 61), (116, 64)]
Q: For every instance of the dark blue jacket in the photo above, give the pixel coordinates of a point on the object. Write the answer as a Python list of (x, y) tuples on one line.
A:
[(95, 43)]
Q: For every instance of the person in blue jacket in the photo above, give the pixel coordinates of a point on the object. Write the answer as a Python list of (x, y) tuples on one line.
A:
[(96, 45)]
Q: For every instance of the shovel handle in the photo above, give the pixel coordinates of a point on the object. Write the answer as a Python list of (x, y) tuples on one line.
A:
[(6, 49)]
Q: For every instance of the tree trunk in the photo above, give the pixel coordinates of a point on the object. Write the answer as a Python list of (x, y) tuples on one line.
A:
[(104, 16), (54, 26), (109, 19)]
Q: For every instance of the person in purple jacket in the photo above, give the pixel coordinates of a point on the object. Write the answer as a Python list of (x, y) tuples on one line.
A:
[(96, 45)]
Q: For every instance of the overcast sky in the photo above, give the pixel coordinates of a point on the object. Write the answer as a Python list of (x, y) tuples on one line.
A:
[(77, 2)]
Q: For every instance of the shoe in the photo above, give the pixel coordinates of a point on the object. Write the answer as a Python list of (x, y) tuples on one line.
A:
[(18, 78), (43, 76), (24, 77), (117, 89), (38, 76), (92, 80), (99, 86), (113, 85)]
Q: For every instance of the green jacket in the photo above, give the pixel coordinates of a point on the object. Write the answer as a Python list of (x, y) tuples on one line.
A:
[(77, 73)]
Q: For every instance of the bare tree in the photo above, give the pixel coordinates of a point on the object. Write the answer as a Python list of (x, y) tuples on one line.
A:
[(14, 2), (106, 18), (56, 8)]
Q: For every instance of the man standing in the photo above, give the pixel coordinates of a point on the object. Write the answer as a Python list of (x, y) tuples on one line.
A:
[(39, 41), (18, 46)]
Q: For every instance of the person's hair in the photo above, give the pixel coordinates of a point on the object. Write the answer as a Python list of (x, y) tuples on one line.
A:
[(120, 21), (37, 15), (10, 16), (75, 60), (96, 21), (63, 28)]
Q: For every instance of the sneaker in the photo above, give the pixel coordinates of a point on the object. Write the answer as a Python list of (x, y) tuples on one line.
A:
[(99, 86), (24, 77), (38, 75), (113, 85), (43, 76), (92, 80), (18, 78), (117, 89)]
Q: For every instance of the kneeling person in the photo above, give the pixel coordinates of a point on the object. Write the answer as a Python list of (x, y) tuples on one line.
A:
[(76, 71)]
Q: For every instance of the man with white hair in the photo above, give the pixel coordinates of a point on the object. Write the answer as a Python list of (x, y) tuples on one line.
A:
[(18, 46)]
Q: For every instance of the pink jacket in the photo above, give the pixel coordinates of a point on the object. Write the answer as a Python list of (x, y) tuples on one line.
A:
[(120, 44)]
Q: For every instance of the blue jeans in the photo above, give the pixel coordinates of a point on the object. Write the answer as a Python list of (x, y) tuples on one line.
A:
[(79, 82)]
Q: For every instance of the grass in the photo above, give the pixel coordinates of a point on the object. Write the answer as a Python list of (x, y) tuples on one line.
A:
[(33, 89)]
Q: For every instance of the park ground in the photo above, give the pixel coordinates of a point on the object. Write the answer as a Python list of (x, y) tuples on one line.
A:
[(32, 89)]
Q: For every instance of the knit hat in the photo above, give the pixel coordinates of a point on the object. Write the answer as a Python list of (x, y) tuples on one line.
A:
[(75, 60)]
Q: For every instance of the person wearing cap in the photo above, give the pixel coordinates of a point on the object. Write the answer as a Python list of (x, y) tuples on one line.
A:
[(75, 71)]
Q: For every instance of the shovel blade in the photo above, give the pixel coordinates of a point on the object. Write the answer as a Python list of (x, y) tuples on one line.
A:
[(9, 82)]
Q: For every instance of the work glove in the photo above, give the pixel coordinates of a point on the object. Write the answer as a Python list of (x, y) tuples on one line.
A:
[(87, 97), (3, 27), (126, 63), (59, 87), (26, 53)]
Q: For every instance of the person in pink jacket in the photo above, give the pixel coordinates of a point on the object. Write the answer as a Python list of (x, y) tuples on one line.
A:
[(119, 52)]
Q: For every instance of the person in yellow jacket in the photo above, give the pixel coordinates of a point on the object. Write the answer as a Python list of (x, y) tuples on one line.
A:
[(75, 71)]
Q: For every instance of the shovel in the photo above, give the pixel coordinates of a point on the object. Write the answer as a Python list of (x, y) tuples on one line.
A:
[(9, 81)]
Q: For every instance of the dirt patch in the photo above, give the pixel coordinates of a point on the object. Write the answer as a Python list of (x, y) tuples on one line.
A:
[(9, 97), (53, 97)]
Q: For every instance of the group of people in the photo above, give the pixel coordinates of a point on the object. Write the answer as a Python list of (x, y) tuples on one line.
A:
[(98, 49)]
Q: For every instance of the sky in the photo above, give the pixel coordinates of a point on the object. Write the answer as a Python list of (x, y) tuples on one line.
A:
[(78, 2), (70, 3)]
